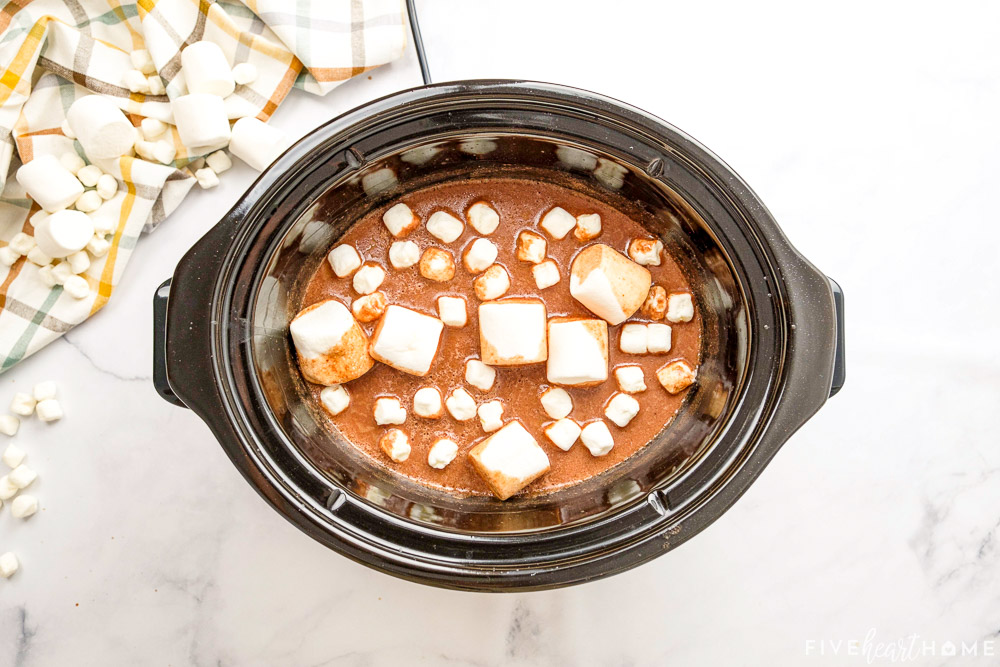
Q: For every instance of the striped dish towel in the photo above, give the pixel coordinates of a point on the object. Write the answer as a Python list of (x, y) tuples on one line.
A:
[(54, 51)]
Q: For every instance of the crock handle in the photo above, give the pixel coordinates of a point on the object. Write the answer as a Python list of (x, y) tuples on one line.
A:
[(160, 381), (840, 360)]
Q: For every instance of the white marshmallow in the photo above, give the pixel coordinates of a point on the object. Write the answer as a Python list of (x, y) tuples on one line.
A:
[(219, 161), (135, 81), (608, 283), (9, 424), (610, 174), (201, 121), (657, 338), (21, 243), (335, 399), (101, 127), (77, 287), (47, 276), (62, 272), (531, 247), (23, 404), (331, 346), (89, 201), (588, 227), (389, 411), (680, 307), (451, 311), (155, 85), (634, 339), (445, 226), (88, 175), (67, 130), (36, 256), (107, 186), (403, 254), (8, 256), (144, 149), (557, 402), (442, 453), (13, 456), (206, 178), (461, 405), (483, 218), (576, 158), (7, 490), (206, 69), (400, 220), (546, 274), (49, 183), (368, 278), (563, 433), (477, 146), (427, 403), (419, 155), (50, 409), (557, 222), (578, 352), (98, 246), (152, 128), (78, 262), (344, 260), (597, 438), (630, 379), (479, 375), (646, 251), (244, 73), (480, 254), (23, 506), (72, 162), (512, 332), (142, 61), (257, 143), (493, 283), (22, 476), (621, 409), (407, 340), (509, 460), (164, 151), (491, 415), (8, 565)]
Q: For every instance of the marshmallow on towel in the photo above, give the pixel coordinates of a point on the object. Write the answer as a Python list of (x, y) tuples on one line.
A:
[(437, 264), (368, 278), (483, 218), (396, 445), (621, 409), (680, 307), (479, 255), (608, 283), (461, 405), (557, 402), (244, 73), (445, 226), (546, 274), (491, 415), (492, 284), (578, 352), (442, 453), (8, 256), (332, 347), (479, 375), (512, 332), (407, 340), (89, 201), (563, 433), (451, 310), (588, 227), (388, 410), (403, 254), (630, 379), (369, 307), (78, 288), (152, 128), (427, 403), (597, 438), (201, 121), (655, 305), (49, 183), (107, 186), (142, 61), (101, 127), (344, 260), (400, 220), (21, 243), (335, 399), (509, 460), (257, 143), (676, 376), (646, 251), (73, 162), (531, 247), (557, 223), (206, 69)]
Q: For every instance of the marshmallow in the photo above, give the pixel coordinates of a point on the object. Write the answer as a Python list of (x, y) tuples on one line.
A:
[(419, 155), (588, 227), (8, 565), (9, 424), (437, 264), (88, 175), (13, 456), (578, 352), (257, 143), (107, 186), (477, 146), (22, 476), (445, 226), (89, 202), (479, 375), (21, 243), (388, 410), (608, 283), (597, 438), (144, 149), (46, 275), (50, 410), (244, 73), (491, 415), (201, 121), (206, 69), (676, 376), (155, 85), (400, 220), (563, 433), (403, 254), (206, 178), (101, 127), (7, 490), (645, 251), (135, 81), (483, 218), (152, 128), (77, 287), (142, 61), (680, 307), (557, 223), (621, 409), (23, 506), (67, 130), (49, 183), (492, 284), (546, 274), (634, 339), (36, 256), (331, 346), (78, 262), (509, 460), (461, 405), (442, 453), (655, 305), (610, 174), (335, 399), (344, 260), (427, 403), (657, 338), (378, 181), (98, 246), (73, 162), (62, 272), (369, 307), (451, 310), (219, 162), (557, 402), (512, 332), (23, 404), (630, 379), (407, 340), (479, 255), (368, 278), (8, 256), (164, 151), (531, 247), (63, 233)]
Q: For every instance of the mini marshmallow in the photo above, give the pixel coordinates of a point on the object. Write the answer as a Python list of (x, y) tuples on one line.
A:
[(557, 402), (655, 305), (451, 311), (49, 183), (135, 81), (406, 340), (73, 162), (78, 263), (419, 155), (546, 274), (144, 149), (257, 143), (610, 174), (531, 247), (21, 243), (645, 251), (89, 201), (563, 433), (23, 404), (621, 409), (344, 260), (442, 453), (142, 61), (607, 283), (479, 255), (88, 175), (509, 460), (36, 256), (8, 256), (331, 346), (23, 506), (219, 162), (206, 178), (152, 128), (491, 415), (479, 375), (483, 218), (437, 264), (368, 278), (101, 127), (78, 288), (206, 69), (557, 223), (107, 186), (445, 226), (9, 424), (512, 332), (335, 399), (493, 283), (400, 220), (244, 73), (8, 565), (164, 152), (369, 307), (680, 307), (477, 146), (98, 246), (597, 438), (388, 410), (7, 490), (13, 456), (461, 405), (47, 276), (634, 339), (630, 379), (62, 272), (403, 254), (155, 85), (201, 121), (676, 376), (578, 352), (588, 227), (427, 403), (50, 410), (22, 476), (657, 338)]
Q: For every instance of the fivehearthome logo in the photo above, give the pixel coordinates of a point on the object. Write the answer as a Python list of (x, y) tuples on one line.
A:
[(911, 648)]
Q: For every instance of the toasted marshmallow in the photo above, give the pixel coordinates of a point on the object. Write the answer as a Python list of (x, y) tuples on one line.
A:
[(557, 402), (531, 247), (49, 183), (218, 161), (407, 340), (588, 227), (8, 565), (630, 379), (479, 375), (388, 410), (332, 347), (437, 264), (578, 352), (368, 278), (427, 403), (400, 220), (369, 307), (645, 251), (512, 332), (680, 307), (13, 456), (634, 339), (657, 338), (9, 424), (557, 223), (7, 490), (479, 255), (335, 399), (563, 433), (445, 226), (396, 445), (451, 311), (344, 260), (23, 404), (546, 274), (597, 438), (621, 409), (442, 453), (22, 476), (492, 284), (403, 254), (491, 415), (23, 506), (509, 460), (676, 376), (608, 283), (655, 305), (483, 218), (461, 405)]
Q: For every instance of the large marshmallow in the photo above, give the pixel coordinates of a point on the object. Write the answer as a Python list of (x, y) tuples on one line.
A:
[(608, 283), (509, 460), (101, 127), (257, 143), (49, 183), (578, 352), (483, 218), (201, 121), (400, 220), (64, 233), (512, 332), (445, 226), (206, 69), (332, 347), (407, 340)]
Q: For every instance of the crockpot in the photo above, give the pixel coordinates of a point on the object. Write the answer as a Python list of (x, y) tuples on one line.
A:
[(772, 348)]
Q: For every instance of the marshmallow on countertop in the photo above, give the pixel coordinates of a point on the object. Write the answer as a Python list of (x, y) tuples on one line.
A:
[(479, 375), (396, 445), (491, 415), (621, 409), (445, 226), (403, 254), (49, 183), (23, 404), (368, 278), (557, 402), (676, 376), (9, 424), (461, 405), (407, 340), (546, 274), (13, 456), (101, 127), (479, 255), (244, 73), (512, 332), (344, 260), (400, 220), (483, 218), (509, 460), (22, 476), (427, 403), (646, 251), (257, 143), (630, 379), (563, 433), (50, 410), (608, 283), (493, 283), (442, 453), (531, 247), (206, 178), (23, 506), (7, 490), (597, 438), (655, 305), (588, 227), (578, 352), (331, 346), (557, 223), (335, 399), (451, 311), (201, 121), (8, 565), (437, 264), (369, 307), (388, 410), (206, 69), (219, 161), (680, 307)]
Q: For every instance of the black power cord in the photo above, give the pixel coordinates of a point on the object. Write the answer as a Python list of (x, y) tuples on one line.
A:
[(418, 43)]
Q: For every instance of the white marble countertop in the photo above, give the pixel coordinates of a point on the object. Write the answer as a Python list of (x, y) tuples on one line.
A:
[(871, 133)]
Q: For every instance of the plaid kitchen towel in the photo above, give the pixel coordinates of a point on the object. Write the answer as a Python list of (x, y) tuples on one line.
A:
[(54, 51)]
